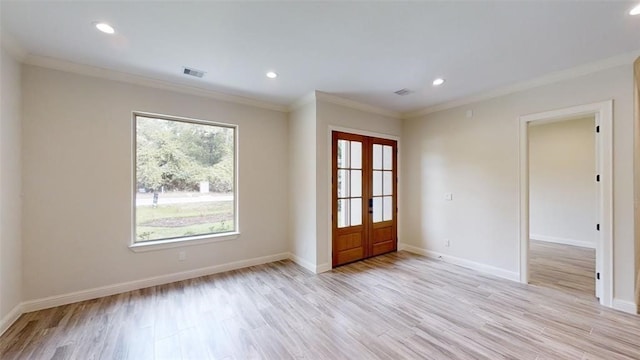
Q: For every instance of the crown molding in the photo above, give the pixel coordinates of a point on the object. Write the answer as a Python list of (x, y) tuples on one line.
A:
[(12, 46), (356, 105), (93, 71), (309, 98), (575, 72), (9, 44)]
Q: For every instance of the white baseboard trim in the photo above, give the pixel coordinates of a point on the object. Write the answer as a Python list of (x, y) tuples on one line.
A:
[(625, 306), (483, 268), (316, 269), (558, 240), (58, 300), (10, 318), (302, 262), (323, 268)]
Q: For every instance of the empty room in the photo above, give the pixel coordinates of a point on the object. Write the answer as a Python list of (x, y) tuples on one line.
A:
[(563, 198), (319, 180)]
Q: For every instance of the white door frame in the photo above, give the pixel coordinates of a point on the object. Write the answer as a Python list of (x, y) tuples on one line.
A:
[(603, 112)]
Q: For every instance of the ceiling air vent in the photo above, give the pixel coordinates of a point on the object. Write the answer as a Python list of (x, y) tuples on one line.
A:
[(193, 72), (402, 92)]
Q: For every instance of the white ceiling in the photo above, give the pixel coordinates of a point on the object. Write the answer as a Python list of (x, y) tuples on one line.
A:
[(359, 50)]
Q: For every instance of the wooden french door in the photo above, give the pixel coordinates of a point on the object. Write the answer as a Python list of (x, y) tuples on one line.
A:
[(364, 197)]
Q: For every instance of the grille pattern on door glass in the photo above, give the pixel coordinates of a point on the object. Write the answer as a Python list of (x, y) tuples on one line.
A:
[(382, 183), (349, 183)]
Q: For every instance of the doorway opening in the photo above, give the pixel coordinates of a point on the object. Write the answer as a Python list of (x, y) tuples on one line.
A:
[(364, 197), (562, 205), (566, 200)]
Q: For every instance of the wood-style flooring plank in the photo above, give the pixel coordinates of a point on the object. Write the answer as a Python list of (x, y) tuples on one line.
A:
[(563, 267), (395, 306)]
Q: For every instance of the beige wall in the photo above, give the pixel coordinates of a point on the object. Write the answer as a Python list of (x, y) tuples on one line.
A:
[(302, 180), (563, 192), (10, 186), (476, 159), (78, 178)]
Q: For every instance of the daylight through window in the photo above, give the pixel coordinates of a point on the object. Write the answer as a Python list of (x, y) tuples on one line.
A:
[(185, 178)]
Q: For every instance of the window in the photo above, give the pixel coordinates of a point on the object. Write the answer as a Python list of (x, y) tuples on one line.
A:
[(184, 179)]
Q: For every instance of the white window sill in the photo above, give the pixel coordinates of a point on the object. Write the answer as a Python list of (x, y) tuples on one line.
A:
[(182, 242)]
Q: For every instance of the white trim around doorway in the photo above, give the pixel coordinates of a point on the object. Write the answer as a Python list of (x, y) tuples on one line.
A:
[(603, 112)]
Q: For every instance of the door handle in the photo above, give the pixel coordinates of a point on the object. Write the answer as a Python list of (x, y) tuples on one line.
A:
[(370, 205)]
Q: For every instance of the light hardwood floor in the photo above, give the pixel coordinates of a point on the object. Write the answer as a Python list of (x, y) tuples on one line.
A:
[(567, 268), (394, 306)]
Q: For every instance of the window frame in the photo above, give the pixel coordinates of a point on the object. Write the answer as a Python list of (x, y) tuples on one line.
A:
[(150, 245)]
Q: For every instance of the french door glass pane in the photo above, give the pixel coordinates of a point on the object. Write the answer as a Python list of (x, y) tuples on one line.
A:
[(388, 211), (350, 179), (387, 157), (343, 213), (356, 183), (356, 212), (356, 155), (387, 184), (343, 183), (377, 182), (377, 156), (377, 209), (343, 153)]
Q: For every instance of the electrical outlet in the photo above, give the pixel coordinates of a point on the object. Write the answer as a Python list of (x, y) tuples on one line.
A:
[(448, 196), (447, 243), (182, 256)]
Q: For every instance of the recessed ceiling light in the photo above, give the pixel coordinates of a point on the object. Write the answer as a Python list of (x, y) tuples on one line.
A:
[(105, 28), (438, 82), (272, 75), (635, 10)]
